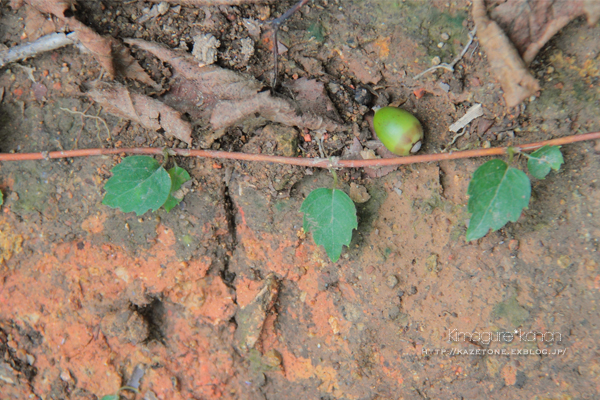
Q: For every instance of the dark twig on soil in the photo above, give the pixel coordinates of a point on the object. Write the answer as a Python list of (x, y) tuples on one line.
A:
[(450, 67), (274, 25), (306, 162)]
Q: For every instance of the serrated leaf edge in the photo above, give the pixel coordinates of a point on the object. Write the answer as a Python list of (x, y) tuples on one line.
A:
[(309, 223), (491, 202)]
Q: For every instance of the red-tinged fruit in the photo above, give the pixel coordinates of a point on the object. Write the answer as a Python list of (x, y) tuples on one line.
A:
[(399, 131)]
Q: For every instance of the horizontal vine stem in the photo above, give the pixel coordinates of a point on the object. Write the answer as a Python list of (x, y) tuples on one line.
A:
[(305, 162)]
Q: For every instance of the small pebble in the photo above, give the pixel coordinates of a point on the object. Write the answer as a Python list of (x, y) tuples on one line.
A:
[(392, 281), (444, 86), (65, 376), (435, 61), (440, 44), (513, 245), (393, 312), (445, 36), (163, 7), (363, 96)]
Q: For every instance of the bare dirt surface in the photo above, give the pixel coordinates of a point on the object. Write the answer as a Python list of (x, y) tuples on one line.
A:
[(226, 297)]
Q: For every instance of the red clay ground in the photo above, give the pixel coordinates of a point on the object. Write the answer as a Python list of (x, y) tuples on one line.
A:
[(226, 297)]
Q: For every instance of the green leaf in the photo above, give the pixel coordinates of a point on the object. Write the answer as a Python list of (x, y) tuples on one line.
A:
[(497, 194), (110, 397), (1, 198), (179, 176), (139, 184), (541, 160), (331, 216)]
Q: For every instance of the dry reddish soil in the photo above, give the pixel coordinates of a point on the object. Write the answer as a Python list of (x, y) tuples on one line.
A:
[(225, 297)]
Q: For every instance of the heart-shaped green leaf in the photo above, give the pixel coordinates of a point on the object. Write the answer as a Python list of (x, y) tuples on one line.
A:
[(497, 194), (331, 216), (139, 184), (179, 176), (542, 160)]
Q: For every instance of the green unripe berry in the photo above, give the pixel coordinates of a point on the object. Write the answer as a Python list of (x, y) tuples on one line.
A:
[(399, 131)]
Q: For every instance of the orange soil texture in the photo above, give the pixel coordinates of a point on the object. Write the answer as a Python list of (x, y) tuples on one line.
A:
[(179, 294)]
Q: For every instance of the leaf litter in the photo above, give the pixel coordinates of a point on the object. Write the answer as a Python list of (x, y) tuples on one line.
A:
[(229, 97), (505, 62), (211, 2), (148, 112), (515, 32), (108, 51), (530, 24)]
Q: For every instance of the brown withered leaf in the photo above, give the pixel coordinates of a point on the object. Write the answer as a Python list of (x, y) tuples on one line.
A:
[(230, 97), (127, 66), (16, 4), (210, 80), (212, 2), (148, 112), (36, 25), (530, 24), (310, 96), (276, 109), (100, 47), (108, 51), (56, 7), (505, 62)]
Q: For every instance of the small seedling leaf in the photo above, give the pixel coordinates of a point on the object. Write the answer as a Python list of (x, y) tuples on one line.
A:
[(110, 397), (1, 198), (139, 184), (331, 216), (542, 160), (497, 194), (179, 176)]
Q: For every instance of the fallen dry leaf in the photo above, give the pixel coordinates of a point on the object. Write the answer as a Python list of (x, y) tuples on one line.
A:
[(108, 51), (127, 66), (310, 96), (36, 25), (148, 112), (505, 62), (530, 24), (220, 83), (97, 45), (56, 7), (227, 113), (212, 2), (229, 97)]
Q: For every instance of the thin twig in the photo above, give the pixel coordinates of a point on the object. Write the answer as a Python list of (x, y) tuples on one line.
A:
[(450, 67), (46, 43), (333, 162), (275, 24), (275, 59)]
